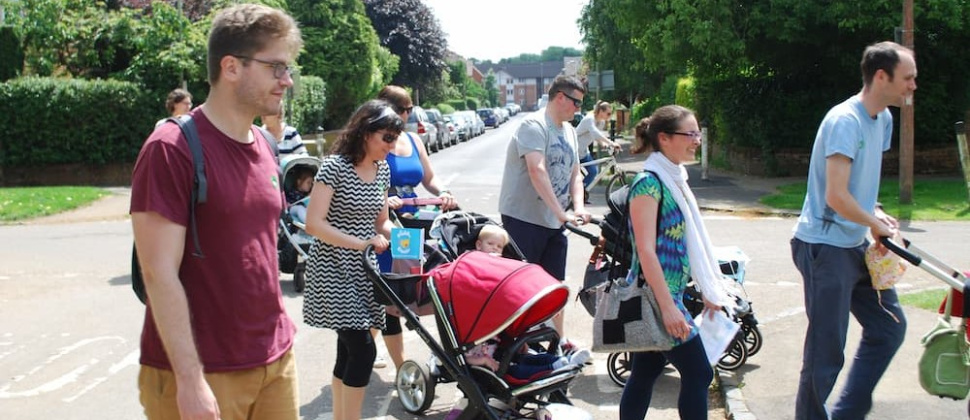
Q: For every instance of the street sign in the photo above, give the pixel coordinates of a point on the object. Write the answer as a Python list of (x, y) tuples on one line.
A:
[(603, 80)]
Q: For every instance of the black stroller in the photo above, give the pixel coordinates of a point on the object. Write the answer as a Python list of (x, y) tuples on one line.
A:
[(293, 243), (611, 260), (476, 297)]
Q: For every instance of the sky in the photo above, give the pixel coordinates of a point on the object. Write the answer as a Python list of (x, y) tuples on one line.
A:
[(497, 29)]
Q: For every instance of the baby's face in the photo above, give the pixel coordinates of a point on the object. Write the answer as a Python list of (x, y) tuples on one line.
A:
[(490, 245), (305, 184)]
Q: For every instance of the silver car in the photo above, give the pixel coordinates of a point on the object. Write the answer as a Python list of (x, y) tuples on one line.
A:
[(419, 124)]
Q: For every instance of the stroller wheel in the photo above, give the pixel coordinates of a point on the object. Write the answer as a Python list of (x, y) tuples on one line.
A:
[(618, 367), (735, 357), (415, 387), (752, 339), (299, 277)]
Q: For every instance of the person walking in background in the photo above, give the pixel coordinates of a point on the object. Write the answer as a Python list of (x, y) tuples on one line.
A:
[(179, 102), (590, 129), (672, 247), (201, 357), (541, 177), (348, 212), (287, 138), (410, 166), (829, 241)]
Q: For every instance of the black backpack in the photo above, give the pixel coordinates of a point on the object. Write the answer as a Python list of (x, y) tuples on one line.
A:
[(199, 193), (615, 228)]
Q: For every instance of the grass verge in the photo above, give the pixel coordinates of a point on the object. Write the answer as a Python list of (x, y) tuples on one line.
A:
[(29, 202), (933, 199), (926, 299)]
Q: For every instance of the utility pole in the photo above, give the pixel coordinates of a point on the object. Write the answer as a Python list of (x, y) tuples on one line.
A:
[(906, 119)]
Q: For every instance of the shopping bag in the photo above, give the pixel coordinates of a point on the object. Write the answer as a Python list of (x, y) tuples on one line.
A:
[(944, 367), (628, 319)]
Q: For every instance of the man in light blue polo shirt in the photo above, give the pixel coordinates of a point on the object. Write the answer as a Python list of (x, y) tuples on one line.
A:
[(830, 240)]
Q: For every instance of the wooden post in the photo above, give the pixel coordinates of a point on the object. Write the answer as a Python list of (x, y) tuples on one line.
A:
[(704, 152), (906, 120), (964, 154)]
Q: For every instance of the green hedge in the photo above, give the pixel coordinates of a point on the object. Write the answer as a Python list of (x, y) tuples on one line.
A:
[(55, 121), (472, 104), (445, 108), (309, 102), (458, 104)]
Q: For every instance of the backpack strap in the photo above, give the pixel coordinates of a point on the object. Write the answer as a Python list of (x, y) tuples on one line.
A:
[(641, 280), (200, 186)]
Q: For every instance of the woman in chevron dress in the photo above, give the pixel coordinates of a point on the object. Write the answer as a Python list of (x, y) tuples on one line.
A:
[(348, 212)]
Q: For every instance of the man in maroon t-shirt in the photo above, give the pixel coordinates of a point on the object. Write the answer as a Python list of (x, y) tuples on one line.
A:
[(216, 325)]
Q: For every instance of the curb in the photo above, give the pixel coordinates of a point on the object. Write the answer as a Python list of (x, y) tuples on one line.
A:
[(735, 406)]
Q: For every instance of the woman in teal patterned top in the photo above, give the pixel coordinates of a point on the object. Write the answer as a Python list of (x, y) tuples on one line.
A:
[(666, 259)]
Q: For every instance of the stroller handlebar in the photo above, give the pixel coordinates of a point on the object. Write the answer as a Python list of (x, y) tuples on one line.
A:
[(575, 228), (418, 201), (903, 253)]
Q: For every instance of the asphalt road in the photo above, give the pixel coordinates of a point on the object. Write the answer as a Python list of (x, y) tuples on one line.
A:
[(69, 324)]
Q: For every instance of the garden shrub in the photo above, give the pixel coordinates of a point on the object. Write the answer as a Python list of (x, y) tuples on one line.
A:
[(58, 121), (458, 104), (12, 53), (309, 102), (445, 108)]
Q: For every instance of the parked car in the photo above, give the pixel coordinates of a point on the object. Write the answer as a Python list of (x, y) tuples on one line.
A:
[(489, 117), (463, 129), (513, 108), (419, 124), (476, 123), (542, 101), (503, 115), (442, 140), (452, 131)]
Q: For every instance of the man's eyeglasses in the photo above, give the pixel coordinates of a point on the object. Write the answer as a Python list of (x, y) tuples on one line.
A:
[(696, 135), (401, 110), (279, 69), (576, 102), (389, 138)]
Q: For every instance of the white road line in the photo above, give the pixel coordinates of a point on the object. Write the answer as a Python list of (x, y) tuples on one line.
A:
[(58, 382)]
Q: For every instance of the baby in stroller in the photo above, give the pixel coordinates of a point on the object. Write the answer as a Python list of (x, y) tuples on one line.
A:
[(297, 198), (527, 363)]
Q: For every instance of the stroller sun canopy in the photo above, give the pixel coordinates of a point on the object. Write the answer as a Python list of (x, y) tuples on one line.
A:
[(485, 295)]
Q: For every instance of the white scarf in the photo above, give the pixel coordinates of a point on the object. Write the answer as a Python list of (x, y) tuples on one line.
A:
[(704, 268)]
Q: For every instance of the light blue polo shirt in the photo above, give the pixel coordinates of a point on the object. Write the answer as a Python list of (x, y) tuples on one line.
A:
[(847, 130)]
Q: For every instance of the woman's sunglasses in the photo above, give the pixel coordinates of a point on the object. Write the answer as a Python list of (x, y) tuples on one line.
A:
[(389, 138)]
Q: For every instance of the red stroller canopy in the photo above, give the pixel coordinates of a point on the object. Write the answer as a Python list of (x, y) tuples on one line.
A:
[(485, 294)]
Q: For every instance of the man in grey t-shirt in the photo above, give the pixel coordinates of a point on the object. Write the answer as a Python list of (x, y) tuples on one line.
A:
[(541, 178)]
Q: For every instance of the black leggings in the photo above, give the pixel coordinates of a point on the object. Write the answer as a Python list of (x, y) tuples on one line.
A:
[(392, 325), (355, 357)]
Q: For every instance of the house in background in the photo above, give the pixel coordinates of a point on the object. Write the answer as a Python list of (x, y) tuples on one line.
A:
[(525, 83)]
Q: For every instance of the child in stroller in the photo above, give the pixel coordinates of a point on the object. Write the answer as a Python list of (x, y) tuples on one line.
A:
[(477, 298), (293, 241), (527, 363)]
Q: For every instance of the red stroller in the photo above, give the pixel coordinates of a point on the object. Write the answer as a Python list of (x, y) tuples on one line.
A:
[(474, 298)]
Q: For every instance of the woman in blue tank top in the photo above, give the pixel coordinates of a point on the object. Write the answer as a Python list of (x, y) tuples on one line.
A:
[(409, 166)]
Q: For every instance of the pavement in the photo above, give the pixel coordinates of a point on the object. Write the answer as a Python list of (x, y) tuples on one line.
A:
[(720, 192)]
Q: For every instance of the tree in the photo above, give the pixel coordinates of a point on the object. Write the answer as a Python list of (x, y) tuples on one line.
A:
[(79, 38), (765, 72), (341, 47), (491, 89), (410, 31)]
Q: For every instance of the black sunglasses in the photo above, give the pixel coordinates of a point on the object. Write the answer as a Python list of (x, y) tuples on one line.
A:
[(576, 102), (389, 138), (403, 109)]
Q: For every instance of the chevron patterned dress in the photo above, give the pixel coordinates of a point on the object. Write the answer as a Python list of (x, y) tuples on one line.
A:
[(338, 294), (671, 244)]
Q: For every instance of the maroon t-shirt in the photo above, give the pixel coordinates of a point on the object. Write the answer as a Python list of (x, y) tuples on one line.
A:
[(238, 317)]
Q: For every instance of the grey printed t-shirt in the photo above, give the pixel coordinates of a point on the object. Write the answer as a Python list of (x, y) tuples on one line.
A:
[(518, 198)]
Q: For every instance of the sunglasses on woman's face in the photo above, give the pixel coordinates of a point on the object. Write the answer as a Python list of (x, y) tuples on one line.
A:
[(389, 138)]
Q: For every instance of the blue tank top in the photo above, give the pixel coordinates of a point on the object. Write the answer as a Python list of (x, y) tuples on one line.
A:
[(406, 172)]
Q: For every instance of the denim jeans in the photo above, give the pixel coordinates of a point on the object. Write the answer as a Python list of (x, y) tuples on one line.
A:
[(695, 377), (837, 283)]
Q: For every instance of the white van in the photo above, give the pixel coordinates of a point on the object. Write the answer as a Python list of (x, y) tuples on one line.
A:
[(542, 101)]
